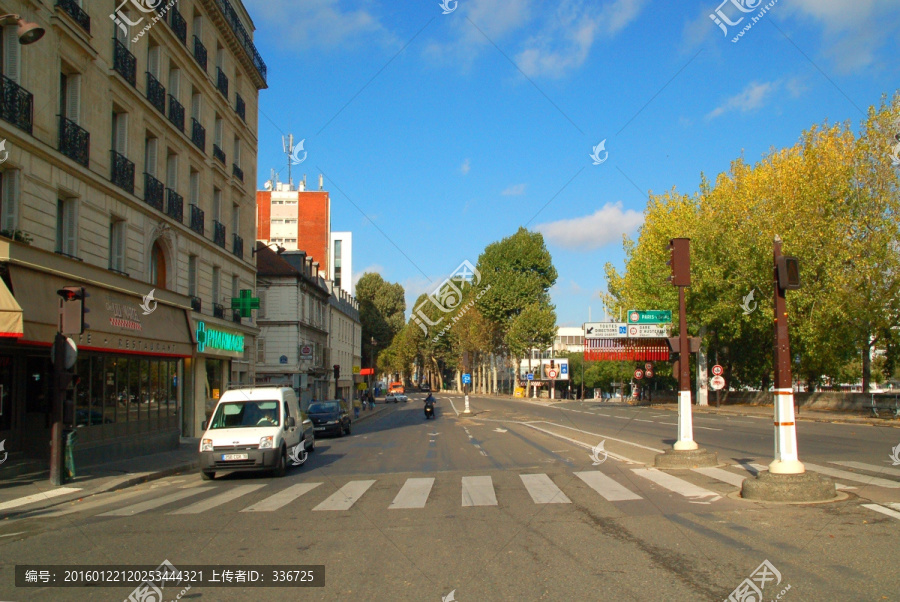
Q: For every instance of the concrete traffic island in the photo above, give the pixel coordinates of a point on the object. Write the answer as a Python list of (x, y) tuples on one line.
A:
[(803, 487), (690, 458)]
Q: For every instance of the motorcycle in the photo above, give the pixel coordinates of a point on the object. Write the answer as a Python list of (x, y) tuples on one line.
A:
[(429, 410)]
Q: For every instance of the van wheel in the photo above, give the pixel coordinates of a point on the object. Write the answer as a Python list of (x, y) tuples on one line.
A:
[(279, 469), (312, 446), (207, 475)]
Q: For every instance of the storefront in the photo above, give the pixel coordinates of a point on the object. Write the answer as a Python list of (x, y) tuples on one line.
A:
[(130, 363)]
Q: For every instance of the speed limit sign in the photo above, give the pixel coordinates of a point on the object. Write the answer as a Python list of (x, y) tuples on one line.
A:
[(648, 367), (648, 373), (717, 370), (638, 374)]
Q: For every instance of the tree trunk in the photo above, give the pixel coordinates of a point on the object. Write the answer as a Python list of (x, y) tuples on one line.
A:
[(867, 364)]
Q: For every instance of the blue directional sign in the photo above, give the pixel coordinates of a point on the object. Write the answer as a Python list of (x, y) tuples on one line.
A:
[(467, 379), (530, 376), (564, 368)]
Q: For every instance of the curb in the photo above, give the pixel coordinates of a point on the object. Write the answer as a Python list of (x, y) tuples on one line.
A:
[(835, 420)]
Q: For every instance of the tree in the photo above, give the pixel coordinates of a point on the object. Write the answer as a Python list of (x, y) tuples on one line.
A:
[(381, 312), (533, 328)]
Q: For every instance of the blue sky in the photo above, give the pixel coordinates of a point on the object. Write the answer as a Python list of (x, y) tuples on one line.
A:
[(449, 131)]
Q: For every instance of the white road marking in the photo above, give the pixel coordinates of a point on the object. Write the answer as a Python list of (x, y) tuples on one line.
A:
[(282, 498), (217, 500), (584, 445), (161, 501), (883, 510), (894, 505), (413, 494), (722, 475), (543, 490), (478, 491), (706, 428), (871, 468), (452, 405), (37, 497), (852, 476), (595, 435), (607, 486), (676, 485), (499, 430), (346, 496), (93, 504), (639, 420), (12, 534)]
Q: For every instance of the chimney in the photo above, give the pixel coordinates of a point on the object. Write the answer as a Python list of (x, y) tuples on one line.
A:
[(321, 182), (315, 264)]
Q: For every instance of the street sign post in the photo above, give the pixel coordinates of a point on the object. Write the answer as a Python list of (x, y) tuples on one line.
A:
[(647, 331), (467, 379), (605, 330), (529, 376), (649, 316), (716, 383)]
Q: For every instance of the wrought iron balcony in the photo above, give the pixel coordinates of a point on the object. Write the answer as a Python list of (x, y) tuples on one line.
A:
[(153, 192), (179, 25), (200, 53), (125, 63), (196, 304), (222, 81), (16, 104), (218, 153), (156, 93), (198, 221), (243, 37), (239, 107), (74, 141), (174, 205), (176, 113), (198, 134), (219, 233), (238, 246), (237, 172), (76, 12), (218, 310), (122, 172)]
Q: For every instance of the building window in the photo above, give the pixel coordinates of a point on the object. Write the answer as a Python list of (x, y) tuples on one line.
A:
[(67, 227), (192, 276), (172, 171), (337, 263), (70, 96), (150, 155), (117, 234), (235, 287), (237, 151), (120, 132), (216, 278), (195, 187), (9, 201), (261, 351), (12, 57), (217, 205), (157, 266), (261, 313), (153, 60)]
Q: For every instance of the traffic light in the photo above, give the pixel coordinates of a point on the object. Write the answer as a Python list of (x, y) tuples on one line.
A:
[(680, 261), (788, 273), (72, 309), (337, 371)]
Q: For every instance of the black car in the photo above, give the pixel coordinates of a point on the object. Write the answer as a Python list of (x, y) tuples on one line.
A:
[(425, 388), (329, 417)]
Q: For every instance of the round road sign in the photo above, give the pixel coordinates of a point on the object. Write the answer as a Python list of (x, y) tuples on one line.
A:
[(648, 366), (648, 373), (552, 373), (716, 383), (717, 370), (638, 374), (632, 331)]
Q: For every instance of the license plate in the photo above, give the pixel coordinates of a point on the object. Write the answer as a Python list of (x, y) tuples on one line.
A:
[(227, 457), (320, 428)]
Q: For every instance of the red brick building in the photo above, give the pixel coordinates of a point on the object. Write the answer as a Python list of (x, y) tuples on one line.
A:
[(296, 220)]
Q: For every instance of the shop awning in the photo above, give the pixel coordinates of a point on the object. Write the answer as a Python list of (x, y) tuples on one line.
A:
[(10, 314)]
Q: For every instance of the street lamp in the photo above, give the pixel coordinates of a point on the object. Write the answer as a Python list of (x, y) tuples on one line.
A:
[(28, 33), (278, 248)]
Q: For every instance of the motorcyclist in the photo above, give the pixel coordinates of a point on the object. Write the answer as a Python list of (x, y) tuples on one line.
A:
[(430, 398)]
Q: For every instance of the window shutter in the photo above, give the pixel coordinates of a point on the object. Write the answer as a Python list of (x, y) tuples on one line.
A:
[(261, 313), (192, 275), (10, 192), (220, 58), (237, 151), (151, 156), (153, 57), (11, 53), (73, 97), (236, 218), (195, 188), (261, 351), (70, 234), (217, 205), (172, 172), (219, 127), (122, 134), (174, 80), (117, 249), (196, 99), (215, 285)]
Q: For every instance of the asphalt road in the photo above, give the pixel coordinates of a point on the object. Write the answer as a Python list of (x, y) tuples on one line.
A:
[(507, 503)]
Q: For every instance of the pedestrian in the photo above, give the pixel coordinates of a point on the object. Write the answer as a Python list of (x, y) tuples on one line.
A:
[(357, 404)]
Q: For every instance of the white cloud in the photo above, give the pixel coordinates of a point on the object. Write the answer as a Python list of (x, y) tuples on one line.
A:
[(465, 167), (321, 23), (604, 226), (515, 190), (376, 268), (752, 97)]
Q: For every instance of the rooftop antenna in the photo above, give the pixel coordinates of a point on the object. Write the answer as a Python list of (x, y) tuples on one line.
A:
[(287, 143)]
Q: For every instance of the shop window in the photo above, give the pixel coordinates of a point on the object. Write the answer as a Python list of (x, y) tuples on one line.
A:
[(110, 397), (6, 392)]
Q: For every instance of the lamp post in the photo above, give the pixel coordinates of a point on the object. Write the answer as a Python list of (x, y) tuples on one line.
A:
[(260, 246), (28, 33)]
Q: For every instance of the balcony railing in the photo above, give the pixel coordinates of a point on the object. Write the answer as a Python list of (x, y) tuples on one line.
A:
[(74, 141), (218, 310), (125, 63), (198, 134), (200, 53), (243, 37), (238, 246), (239, 107), (153, 192), (122, 172), (16, 104), (198, 222), (179, 25), (222, 81), (156, 93), (174, 205), (219, 233), (196, 304), (176, 113), (237, 172), (218, 153), (76, 12)]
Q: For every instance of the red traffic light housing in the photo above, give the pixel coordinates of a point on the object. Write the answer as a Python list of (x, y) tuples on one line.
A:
[(72, 309), (788, 273), (680, 261), (337, 371)]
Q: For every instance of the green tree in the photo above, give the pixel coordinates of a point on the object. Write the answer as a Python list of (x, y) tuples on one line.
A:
[(381, 312)]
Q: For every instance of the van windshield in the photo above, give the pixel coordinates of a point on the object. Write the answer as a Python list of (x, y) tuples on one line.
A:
[(239, 414)]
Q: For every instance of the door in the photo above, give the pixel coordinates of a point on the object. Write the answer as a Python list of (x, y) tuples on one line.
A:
[(10, 432), (292, 433), (38, 404)]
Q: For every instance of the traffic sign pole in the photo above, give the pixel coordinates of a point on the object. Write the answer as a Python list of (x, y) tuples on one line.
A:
[(685, 421)]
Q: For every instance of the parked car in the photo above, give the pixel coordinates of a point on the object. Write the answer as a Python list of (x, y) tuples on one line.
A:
[(402, 397), (391, 398), (254, 429), (425, 388), (329, 417)]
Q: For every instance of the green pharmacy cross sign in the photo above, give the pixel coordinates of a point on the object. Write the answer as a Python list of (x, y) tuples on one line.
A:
[(245, 303)]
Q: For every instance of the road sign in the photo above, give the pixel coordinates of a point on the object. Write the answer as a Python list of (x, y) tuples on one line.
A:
[(648, 366), (717, 370), (605, 330), (716, 383), (638, 374), (649, 316), (648, 373), (530, 376), (564, 368), (552, 373), (467, 379), (647, 331)]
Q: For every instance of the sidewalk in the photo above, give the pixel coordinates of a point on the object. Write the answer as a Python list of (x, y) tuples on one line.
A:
[(30, 492)]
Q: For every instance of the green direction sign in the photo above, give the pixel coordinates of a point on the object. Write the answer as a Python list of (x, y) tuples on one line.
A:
[(245, 303), (649, 316)]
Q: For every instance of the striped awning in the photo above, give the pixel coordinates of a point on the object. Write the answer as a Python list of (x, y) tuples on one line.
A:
[(10, 314), (644, 350)]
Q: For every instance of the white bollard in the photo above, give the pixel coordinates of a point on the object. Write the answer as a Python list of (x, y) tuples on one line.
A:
[(685, 424), (466, 411), (786, 460)]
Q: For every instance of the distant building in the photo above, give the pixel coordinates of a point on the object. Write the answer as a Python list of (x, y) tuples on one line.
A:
[(340, 264), (296, 219), (569, 340), (344, 339)]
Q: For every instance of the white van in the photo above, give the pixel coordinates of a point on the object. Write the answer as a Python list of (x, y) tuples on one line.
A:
[(257, 428)]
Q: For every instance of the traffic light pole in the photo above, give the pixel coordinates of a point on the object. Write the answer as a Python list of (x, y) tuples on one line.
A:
[(685, 420), (59, 399)]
